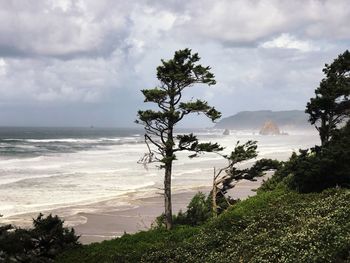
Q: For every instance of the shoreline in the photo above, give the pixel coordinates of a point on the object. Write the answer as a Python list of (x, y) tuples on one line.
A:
[(108, 211), (112, 224), (112, 218)]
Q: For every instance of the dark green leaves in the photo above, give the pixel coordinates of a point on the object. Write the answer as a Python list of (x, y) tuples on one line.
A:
[(187, 142), (42, 243), (150, 115), (196, 106), (243, 152), (213, 114), (154, 95), (200, 106), (182, 71), (331, 105), (190, 143), (176, 74)]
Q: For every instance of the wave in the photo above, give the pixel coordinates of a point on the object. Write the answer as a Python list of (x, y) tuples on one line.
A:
[(13, 148), (71, 140), (77, 204)]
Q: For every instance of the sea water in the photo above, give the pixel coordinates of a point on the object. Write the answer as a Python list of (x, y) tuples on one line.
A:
[(42, 169)]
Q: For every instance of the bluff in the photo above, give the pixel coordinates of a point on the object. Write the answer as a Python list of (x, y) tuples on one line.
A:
[(293, 119)]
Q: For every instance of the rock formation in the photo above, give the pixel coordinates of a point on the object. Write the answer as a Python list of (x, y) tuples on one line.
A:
[(270, 128)]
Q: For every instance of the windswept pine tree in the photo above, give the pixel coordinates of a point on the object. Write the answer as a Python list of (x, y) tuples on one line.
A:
[(175, 76), (227, 177), (331, 104)]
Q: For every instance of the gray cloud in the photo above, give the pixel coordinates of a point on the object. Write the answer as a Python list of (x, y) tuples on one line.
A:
[(85, 61)]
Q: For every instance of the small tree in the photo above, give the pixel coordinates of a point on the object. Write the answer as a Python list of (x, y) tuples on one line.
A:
[(331, 104), (42, 243), (227, 177), (175, 75)]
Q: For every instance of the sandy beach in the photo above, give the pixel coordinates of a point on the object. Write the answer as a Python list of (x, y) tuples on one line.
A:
[(140, 216), (112, 218), (142, 213)]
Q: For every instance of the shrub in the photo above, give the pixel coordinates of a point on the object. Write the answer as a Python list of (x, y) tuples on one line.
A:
[(316, 169), (274, 226), (42, 243), (198, 211)]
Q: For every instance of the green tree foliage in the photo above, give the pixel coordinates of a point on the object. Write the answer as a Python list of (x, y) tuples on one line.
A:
[(331, 104), (325, 166), (42, 243), (198, 211), (317, 169), (203, 207), (227, 177), (175, 75)]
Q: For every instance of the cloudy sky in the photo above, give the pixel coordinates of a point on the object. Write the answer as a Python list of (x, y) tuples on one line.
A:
[(83, 62)]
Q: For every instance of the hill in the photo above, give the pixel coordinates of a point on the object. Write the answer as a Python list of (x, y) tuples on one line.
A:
[(276, 226), (254, 120)]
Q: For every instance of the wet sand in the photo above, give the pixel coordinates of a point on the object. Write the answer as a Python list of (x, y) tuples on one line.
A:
[(112, 218), (110, 224)]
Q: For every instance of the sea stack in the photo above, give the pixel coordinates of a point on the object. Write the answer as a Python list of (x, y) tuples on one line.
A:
[(270, 128)]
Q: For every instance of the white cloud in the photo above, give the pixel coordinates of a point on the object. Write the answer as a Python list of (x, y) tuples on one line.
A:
[(247, 22), (288, 41), (58, 28), (81, 52), (2, 67)]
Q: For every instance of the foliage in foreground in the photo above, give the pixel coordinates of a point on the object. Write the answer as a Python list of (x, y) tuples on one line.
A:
[(42, 243), (275, 226), (128, 248), (198, 211)]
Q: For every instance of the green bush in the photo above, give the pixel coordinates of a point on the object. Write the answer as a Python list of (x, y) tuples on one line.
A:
[(198, 211), (128, 248), (316, 169), (271, 227), (42, 243), (274, 226)]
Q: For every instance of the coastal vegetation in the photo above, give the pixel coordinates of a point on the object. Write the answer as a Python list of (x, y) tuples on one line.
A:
[(175, 76), (41, 243), (300, 214), (331, 105), (274, 226)]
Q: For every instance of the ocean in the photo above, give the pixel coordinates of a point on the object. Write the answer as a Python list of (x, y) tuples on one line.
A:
[(43, 169)]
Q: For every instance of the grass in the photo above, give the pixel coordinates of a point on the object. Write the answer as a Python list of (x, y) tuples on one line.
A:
[(274, 226)]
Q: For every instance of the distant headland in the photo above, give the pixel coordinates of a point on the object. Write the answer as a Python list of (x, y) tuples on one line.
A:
[(254, 120)]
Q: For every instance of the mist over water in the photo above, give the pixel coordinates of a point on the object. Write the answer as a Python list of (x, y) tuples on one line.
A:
[(48, 168)]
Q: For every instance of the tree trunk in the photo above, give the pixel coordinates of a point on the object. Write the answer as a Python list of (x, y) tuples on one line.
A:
[(167, 196), (323, 130), (214, 193)]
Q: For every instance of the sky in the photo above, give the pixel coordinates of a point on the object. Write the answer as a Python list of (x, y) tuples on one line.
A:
[(84, 62)]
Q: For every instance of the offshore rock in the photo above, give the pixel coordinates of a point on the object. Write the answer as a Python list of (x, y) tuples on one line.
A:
[(270, 128)]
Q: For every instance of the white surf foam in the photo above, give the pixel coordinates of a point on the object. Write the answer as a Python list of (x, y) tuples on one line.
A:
[(63, 180)]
